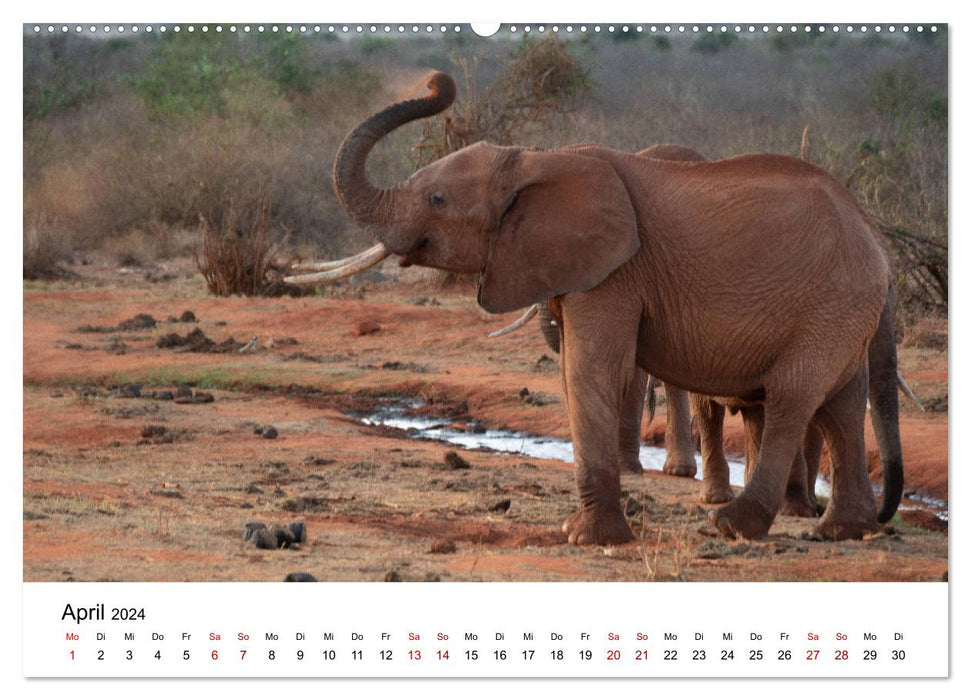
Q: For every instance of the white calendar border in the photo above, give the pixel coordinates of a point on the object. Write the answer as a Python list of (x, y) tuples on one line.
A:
[(827, 10)]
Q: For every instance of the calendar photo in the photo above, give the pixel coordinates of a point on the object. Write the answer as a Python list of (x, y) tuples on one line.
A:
[(431, 304), (255, 349)]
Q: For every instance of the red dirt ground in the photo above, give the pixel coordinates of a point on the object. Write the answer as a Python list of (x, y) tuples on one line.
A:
[(103, 503)]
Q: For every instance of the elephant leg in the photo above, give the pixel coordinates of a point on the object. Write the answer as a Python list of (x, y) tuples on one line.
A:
[(597, 368), (797, 501), (680, 459), (631, 416), (715, 486), (753, 419), (852, 508), (812, 447), (751, 514)]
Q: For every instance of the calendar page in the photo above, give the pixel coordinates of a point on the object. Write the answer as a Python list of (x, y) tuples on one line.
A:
[(389, 349)]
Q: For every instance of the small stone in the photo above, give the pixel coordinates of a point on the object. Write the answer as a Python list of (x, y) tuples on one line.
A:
[(298, 530), (250, 529), (153, 431), (366, 327), (198, 397), (269, 433), (454, 460), (284, 537), (299, 577), (392, 576), (442, 547), (187, 317), (501, 506)]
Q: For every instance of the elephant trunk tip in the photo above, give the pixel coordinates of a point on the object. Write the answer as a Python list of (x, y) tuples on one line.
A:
[(893, 490), (442, 89)]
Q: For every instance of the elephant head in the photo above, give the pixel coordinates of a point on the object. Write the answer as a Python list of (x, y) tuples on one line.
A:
[(532, 224)]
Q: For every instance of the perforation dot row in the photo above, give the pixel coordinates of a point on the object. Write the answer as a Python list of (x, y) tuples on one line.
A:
[(443, 29)]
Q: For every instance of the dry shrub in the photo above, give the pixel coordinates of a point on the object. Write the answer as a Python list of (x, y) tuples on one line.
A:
[(925, 332), (239, 251), (541, 82), (46, 250)]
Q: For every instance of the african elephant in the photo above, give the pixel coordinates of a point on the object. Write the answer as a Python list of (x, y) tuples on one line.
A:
[(680, 459), (800, 495), (644, 258)]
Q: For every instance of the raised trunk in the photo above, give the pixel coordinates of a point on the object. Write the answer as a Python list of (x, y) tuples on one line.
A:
[(366, 204)]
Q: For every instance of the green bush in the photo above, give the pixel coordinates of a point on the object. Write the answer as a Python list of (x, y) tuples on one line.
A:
[(661, 42), (283, 59), (187, 73), (54, 82), (713, 42), (900, 93)]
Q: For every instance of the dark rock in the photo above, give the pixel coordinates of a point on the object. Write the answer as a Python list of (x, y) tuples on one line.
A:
[(299, 531), (392, 576), (153, 431), (501, 506), (197, 397), (454, 460), (250, 528), (442, 547), (269, 432), (137, 323), (299, 577), (187, 317), (366, 327)]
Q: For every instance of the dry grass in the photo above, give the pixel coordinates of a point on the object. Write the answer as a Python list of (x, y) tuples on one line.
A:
[(46, 250), (239, 251), (102, 164), (543, 82)]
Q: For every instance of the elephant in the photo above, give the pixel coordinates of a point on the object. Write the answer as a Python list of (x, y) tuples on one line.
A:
[(800, 496), (757, 280), (680, 460)]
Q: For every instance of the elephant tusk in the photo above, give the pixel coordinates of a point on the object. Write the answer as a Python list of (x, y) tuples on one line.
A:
[(907, 390), (353, 265), (323, 265), (518, 323)]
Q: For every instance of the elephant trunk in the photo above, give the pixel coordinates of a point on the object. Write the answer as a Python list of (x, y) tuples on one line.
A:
[(884, 411), (366, 204)]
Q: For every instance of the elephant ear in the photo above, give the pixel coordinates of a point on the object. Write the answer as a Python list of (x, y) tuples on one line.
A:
[(569, 225)]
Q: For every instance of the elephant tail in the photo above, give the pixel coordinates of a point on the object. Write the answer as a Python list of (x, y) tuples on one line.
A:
[(651, 398), (884, 410)]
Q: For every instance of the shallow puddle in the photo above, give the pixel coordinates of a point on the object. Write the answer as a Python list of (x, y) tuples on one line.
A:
[(397, 415)]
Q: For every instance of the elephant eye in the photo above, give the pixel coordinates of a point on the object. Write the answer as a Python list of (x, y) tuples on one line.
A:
[(436, 199)]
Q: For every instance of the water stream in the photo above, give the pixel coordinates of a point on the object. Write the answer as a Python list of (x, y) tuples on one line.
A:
[(396, 414)]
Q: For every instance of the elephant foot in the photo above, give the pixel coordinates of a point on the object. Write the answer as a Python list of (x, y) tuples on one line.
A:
[(833, 527), (799, 506), (716, 493), (632, 466), (680, 467), (742, 518), (601, 526)]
